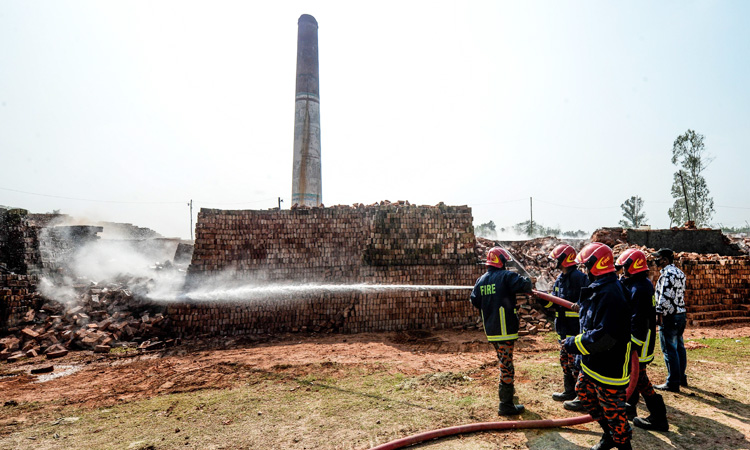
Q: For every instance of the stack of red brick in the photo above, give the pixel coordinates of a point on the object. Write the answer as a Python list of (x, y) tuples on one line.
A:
[(718, 288), (17, 295), (384, 244)]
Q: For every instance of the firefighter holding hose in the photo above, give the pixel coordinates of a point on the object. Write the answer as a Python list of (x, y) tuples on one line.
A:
[(604, 345), (634, 268), (494, 294), (567, 286)]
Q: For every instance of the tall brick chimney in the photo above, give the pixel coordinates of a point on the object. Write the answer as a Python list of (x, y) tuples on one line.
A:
[(307, 187)]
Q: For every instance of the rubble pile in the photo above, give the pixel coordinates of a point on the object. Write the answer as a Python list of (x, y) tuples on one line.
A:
[(98, 318), (742, 241), (532, 317)]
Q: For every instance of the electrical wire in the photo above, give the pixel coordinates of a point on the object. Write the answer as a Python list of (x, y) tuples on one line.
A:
[(575, 207), (87, 199), (498, 203), (202, 202)]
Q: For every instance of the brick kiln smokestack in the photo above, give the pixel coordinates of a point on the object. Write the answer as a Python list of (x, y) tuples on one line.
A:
[(306, 176)]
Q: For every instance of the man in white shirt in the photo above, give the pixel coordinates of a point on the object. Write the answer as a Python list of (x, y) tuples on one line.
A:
[(670, 310)]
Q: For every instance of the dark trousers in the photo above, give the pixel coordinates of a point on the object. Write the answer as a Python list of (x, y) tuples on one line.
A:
[(605, 403), (675, 358), (504, 351)]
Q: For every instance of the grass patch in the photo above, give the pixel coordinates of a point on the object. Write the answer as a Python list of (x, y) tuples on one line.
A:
[(723, 351)]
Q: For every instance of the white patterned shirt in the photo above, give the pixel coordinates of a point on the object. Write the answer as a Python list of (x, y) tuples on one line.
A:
[(670, 291)]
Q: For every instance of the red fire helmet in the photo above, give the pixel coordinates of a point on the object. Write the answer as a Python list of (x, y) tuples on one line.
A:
[(632, 261), (497, 257), (598, 258), (564, 254)]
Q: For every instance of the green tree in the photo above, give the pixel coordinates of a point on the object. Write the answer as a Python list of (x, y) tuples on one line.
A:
[(689, 154), (486, 230), (632, 209)]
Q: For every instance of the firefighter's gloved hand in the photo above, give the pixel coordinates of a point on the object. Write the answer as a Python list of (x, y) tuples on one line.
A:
[(576, 307), (570, 345)]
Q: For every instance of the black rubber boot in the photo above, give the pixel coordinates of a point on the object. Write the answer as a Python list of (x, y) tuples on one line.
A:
[(630, 406), (507, 408), (574, 405), (658, 418), (606, 442), (569, 382)]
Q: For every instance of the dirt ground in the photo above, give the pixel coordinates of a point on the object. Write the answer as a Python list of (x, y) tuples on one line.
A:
[(104, 380)]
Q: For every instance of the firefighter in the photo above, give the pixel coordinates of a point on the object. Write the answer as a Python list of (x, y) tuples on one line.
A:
[(634, 268), (494, 295), (567, 286), (604, 345)]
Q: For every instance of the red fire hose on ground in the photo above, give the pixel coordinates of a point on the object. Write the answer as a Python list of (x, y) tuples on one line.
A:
[(512, 424)]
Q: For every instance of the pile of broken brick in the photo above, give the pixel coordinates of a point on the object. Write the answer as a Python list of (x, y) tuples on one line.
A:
[(99, 318)]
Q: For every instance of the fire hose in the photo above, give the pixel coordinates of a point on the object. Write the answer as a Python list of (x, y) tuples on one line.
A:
[(553, 299), (512, 424)]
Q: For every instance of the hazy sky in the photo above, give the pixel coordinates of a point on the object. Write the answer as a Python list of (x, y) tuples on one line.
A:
[(125, 111)]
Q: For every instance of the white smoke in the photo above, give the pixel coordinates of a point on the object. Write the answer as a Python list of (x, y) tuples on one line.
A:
[(143, 265)]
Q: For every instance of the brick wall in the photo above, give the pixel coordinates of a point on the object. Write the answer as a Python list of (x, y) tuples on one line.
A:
[(718, 290), (378, 244), (347, 312), (19, 243), (17, 295), (388, 244)]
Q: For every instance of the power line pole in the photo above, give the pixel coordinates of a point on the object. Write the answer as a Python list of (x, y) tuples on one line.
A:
[(531, 221), (191, 218)]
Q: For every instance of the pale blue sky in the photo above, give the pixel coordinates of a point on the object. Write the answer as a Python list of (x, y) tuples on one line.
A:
[(143, 106)]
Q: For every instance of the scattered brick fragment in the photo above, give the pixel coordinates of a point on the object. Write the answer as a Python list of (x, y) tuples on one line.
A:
[(43, 369)]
